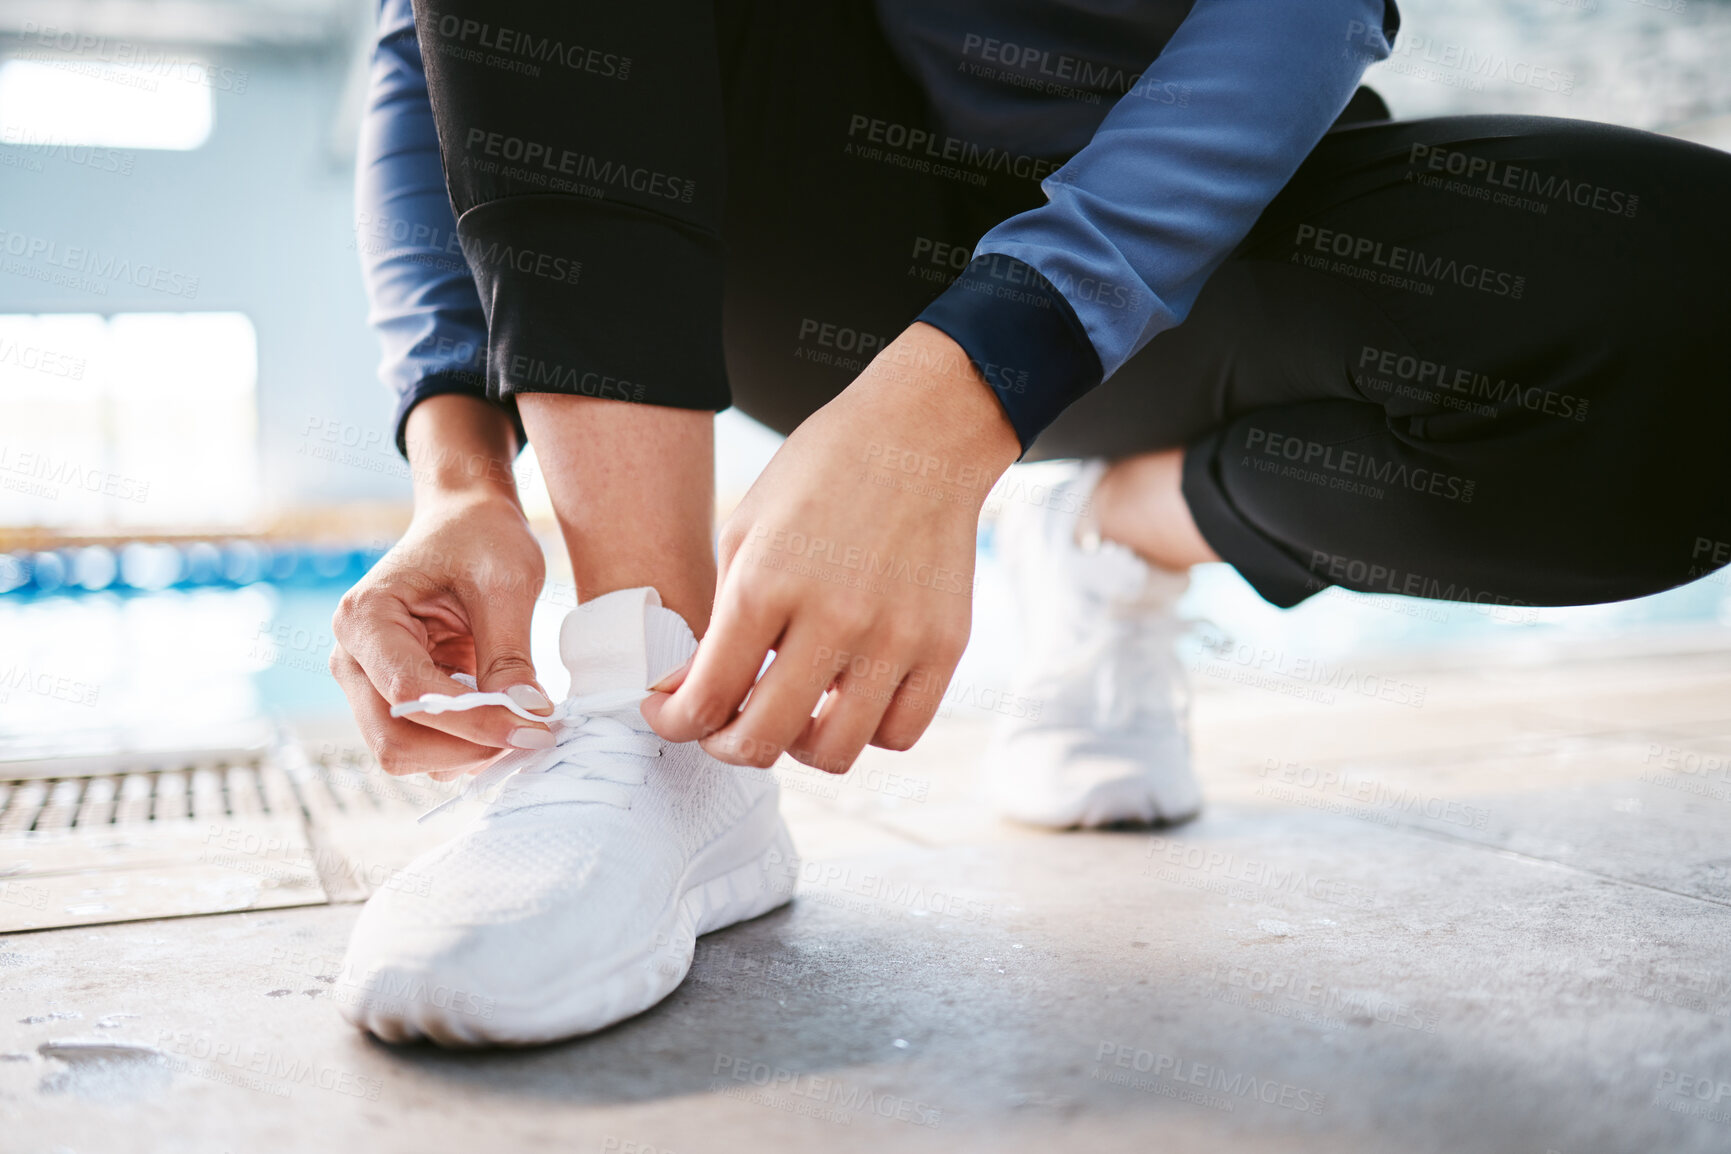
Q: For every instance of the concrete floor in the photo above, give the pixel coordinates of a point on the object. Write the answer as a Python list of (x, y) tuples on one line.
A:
[(1483, 905)]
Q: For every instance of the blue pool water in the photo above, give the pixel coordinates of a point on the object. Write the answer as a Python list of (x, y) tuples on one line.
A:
[(192, 664)]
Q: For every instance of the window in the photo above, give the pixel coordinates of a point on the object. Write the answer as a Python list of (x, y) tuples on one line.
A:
[(62, 98), (139, 419)]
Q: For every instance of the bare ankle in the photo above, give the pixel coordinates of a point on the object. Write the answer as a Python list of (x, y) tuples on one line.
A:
[(1139, 503)]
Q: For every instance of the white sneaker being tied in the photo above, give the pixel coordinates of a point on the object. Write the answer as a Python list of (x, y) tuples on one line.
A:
[(1109, 740), (576, 898)]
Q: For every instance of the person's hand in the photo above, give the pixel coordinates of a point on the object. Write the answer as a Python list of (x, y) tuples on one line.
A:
[(455, 595), (852, 557)]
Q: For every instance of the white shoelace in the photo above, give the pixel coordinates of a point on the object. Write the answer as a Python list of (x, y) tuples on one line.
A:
[(599, 758)]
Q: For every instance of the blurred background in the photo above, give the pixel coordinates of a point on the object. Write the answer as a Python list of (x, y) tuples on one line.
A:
[(195, 453)]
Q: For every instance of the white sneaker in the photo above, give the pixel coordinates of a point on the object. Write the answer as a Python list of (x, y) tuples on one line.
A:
[(576, 898), (1109, 742)]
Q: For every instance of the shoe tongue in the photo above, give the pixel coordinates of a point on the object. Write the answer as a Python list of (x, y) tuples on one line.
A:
[(623, 640)]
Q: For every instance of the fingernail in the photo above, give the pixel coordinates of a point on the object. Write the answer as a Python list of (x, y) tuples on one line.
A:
[(671, 679), (530, 698), (527, 738)]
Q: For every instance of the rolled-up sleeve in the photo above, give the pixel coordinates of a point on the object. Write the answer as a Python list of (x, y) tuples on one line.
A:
[(1059, 297), (422, 297)]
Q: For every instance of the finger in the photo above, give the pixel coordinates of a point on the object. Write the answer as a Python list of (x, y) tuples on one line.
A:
[(663, 689), (781, 702), (722, 673), (911, 710), (380, 634), (502, 662), (844, 724), (401, 747), (673, 680)]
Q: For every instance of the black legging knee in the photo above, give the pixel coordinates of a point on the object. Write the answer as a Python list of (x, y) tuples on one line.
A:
[(1469, 358)]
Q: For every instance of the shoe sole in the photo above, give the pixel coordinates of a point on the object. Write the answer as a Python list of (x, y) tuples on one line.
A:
[(1125, 801), (1140, 799), (1163, 791), (718, 890)]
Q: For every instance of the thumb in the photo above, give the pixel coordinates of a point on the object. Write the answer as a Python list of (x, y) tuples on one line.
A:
[(502, 663)]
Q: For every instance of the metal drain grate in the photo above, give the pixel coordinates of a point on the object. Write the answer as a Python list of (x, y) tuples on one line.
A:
[(361, 820), (90, 840), (202, 793)]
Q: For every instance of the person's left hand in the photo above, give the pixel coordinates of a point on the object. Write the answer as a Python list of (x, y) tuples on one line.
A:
[(852, 557)]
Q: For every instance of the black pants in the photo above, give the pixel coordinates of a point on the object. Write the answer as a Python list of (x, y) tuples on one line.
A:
[(1470, 358)]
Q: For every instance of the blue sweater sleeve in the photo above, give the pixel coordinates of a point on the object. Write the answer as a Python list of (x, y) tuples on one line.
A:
[(1059, 297), (423, 301)]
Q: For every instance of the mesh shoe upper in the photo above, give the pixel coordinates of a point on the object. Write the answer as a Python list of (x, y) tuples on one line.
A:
[(579, 851)]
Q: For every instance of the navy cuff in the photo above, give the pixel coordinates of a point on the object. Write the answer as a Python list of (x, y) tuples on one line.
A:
[(464, 381), (1023, 336)]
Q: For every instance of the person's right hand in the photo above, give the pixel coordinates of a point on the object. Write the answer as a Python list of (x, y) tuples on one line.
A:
[(455, 595)]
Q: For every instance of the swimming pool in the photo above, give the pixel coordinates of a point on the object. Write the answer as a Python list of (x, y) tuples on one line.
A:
[(217, 661)]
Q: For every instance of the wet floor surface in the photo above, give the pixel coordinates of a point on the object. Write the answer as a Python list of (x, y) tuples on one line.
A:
[(1481, 903)]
